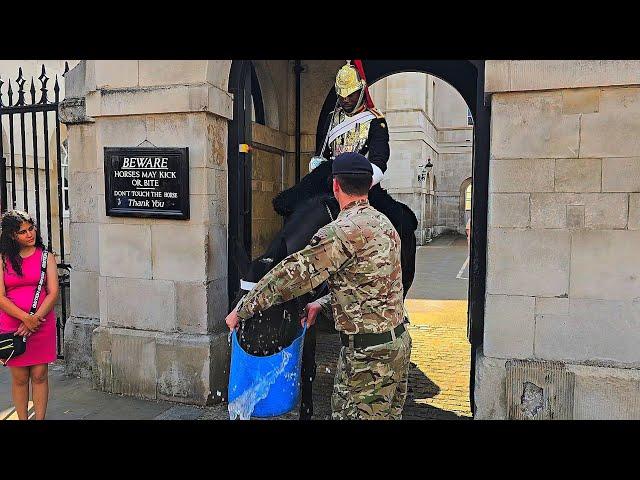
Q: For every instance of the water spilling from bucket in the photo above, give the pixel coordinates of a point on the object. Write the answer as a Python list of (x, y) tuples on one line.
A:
[(264, 386), (244, 405)]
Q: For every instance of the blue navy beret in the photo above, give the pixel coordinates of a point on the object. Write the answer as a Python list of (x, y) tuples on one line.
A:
[(351, 162)]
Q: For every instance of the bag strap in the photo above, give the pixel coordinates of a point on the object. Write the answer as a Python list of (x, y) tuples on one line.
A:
[(43, 271), (4, 362)]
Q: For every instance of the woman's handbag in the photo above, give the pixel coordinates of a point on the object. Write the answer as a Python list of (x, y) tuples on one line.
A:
[(13, 345)]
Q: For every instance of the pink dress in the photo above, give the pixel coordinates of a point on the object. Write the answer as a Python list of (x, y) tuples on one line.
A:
[(41, 346)]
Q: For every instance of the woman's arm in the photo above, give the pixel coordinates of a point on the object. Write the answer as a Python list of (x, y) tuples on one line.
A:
[(51, 286), (7, 305)]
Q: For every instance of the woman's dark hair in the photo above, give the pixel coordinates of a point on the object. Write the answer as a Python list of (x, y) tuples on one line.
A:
[(9, 246), (354, 183)]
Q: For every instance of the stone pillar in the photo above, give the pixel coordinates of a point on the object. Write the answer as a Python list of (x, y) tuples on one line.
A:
[(562, 258), (160, 284), (84, 312)]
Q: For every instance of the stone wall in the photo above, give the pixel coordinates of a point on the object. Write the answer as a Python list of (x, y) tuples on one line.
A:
[(563, 229), (149, 294), (156, 290), (268, 179)]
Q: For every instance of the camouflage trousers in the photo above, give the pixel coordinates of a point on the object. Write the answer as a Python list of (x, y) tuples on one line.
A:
[(371, 382)]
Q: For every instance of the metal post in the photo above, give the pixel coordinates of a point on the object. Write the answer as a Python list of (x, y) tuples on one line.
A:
[(46, 178), (63, 291), (3, 166), (3, 184), (13, 160), (35, 154), (298, 70)]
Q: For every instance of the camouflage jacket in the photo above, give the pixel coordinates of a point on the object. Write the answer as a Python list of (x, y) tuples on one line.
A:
[(358, 254)]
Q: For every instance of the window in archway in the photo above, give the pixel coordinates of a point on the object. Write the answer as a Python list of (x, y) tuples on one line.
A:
[(257, 107), (467, 198)]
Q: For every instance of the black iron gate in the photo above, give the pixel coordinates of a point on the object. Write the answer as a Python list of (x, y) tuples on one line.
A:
[(13, 115)]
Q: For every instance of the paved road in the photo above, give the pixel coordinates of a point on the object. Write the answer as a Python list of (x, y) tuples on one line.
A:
[(438, 379)]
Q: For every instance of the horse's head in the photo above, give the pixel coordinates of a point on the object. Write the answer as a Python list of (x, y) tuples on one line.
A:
[(317, 182), (277, 326)]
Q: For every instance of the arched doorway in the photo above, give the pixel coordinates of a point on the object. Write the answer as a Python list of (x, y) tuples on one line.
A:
[(467, 77)]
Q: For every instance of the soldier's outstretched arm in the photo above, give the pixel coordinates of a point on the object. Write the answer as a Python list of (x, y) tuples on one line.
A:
[(299, 273)]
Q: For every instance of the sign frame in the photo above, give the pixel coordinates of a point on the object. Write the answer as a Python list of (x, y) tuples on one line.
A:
[(181, 213)]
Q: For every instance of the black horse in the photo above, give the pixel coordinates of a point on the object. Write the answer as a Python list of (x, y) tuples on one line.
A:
[(306, 208), (279, 325), (318, 182)]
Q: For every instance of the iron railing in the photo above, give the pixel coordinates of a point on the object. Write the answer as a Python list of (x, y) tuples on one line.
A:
[(44, 108)]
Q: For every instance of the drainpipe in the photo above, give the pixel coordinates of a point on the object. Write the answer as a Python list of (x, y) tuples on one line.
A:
[(298, 69)]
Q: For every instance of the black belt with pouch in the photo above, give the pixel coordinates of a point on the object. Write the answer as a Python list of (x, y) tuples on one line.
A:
[(363, 340)]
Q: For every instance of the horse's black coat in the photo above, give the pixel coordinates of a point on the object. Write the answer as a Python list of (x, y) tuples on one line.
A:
[(318, 182), (277, 327)]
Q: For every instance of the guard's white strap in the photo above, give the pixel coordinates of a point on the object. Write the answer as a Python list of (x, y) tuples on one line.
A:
[(347, 124), (247, 286), (377, 174)]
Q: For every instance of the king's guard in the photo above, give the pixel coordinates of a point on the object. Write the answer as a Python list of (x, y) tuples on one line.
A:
[(355, 125)]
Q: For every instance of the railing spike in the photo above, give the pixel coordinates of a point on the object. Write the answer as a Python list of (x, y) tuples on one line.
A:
[(20, 81), (56, 89), (32, 90), (66, 68), (10, 92), (43, 80)]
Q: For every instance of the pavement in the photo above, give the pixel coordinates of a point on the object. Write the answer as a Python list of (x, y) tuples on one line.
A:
[(438, 376)]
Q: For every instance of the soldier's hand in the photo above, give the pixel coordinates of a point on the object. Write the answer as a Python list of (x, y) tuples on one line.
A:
[(232, 320), (311, 311)]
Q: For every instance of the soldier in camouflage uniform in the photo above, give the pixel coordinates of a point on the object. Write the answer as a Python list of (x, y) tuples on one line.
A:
[(358, 255)]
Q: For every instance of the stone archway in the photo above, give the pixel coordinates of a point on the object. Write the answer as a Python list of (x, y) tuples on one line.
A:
[(467, 77)]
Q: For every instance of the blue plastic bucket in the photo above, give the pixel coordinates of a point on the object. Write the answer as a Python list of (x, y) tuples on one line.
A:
[(253, 372)]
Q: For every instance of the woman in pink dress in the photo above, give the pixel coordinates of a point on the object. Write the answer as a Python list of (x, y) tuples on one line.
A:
[(21, 250)]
